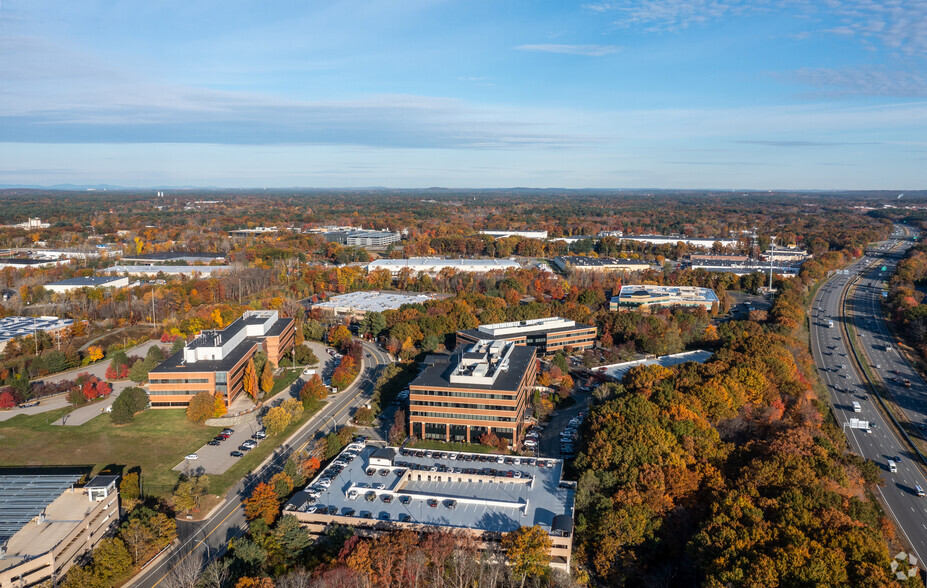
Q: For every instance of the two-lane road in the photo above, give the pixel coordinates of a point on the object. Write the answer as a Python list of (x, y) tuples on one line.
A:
[(202, 541), (847, 385)]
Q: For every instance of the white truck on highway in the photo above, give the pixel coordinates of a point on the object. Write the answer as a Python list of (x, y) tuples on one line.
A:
[(857, 407), (861, 424), (830, 324)]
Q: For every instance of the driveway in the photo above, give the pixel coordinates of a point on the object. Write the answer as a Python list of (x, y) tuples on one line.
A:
[(550, 435)]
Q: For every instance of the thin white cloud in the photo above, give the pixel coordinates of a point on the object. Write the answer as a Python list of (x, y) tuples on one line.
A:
[(861, 81), (587, 50), (898, 25)]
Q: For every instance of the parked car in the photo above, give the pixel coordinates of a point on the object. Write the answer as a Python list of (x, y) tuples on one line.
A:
[(236, 454), (192, 456), (245, 447), (214, 442)]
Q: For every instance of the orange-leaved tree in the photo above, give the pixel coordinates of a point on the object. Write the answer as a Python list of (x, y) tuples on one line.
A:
[(263, 504), (250, 380)]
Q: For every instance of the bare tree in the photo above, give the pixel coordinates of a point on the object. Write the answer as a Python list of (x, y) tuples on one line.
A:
[(216, 575), (299, 578), (185, 572)]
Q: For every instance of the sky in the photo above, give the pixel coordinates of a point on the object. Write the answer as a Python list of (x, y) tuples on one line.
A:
[(697, 94)]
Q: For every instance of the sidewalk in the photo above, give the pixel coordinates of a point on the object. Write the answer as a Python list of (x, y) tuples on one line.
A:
[(98, 369)]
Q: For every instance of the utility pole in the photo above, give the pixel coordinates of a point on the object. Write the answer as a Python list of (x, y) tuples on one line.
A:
[(772, 254)]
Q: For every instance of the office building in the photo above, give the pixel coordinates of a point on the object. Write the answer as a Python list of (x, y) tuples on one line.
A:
[(28, 224), (87, 282), (653, 297), (522, 234), (362, 238), (480, 388), (580, 263), (377, 490), (434, 265), (548, 335), (173, 257), (358, 304), (215, 361), (48, 522)]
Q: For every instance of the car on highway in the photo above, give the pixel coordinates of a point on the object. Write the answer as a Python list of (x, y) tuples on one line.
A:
[(192, 456), (892, 467), (919, 491), (236, 453)]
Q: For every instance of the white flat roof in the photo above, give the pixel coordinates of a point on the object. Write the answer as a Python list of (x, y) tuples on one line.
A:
[(374, 301), (616, 371)]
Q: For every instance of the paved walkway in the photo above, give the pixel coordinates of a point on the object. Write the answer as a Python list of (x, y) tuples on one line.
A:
[(97, 369)]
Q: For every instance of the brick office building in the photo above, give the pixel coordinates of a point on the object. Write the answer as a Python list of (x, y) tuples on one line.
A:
[(215, 361)]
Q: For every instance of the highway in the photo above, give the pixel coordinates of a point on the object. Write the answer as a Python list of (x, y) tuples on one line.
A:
[(203, 541), (846, 384)]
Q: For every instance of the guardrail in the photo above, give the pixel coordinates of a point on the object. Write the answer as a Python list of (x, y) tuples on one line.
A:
[(861, 366)]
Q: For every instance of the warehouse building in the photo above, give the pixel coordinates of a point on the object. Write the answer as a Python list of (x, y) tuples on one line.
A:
[(23, 263), (174, 257), (358, 304), (617, 371), (378, 490), (522, 234), (48, 522), (434, 265), (548, 335), (204, 271), (480, 388), (652, 297), (215, 361), (87, 282), (362, 238), (25, 326), (581, 263)]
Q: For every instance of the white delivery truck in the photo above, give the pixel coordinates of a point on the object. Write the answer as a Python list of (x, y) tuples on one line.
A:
[(857, 407), (861, 424)]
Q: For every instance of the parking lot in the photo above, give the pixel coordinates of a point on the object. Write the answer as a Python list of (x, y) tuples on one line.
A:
[(216, 459)]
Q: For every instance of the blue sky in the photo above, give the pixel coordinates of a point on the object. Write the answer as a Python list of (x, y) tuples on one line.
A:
[(761, 94)]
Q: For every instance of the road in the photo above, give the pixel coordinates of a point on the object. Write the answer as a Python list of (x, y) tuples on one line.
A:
[(846, 384), (203, 541)]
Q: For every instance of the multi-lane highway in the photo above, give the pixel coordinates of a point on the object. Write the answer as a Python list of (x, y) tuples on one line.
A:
[(203, 541), (846, 384)]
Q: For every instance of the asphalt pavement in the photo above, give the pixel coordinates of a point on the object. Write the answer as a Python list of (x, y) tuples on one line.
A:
[(847, 385), (203, 541)]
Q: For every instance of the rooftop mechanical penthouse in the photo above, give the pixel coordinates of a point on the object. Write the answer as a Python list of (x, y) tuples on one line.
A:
[(481, 388), (377, 490), (215, 361)]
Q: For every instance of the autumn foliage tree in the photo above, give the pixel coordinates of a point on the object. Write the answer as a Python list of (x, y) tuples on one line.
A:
[(201, 407), (267, 378), (313, 390), (263, 504), (250, 381)]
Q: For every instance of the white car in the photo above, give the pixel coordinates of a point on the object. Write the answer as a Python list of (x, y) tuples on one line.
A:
[(192, 456), (500, 459), (352, 495), (325, 483)]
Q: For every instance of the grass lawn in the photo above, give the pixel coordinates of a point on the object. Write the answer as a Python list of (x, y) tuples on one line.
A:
[(220, 483), (157, 441), (284, 381)]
